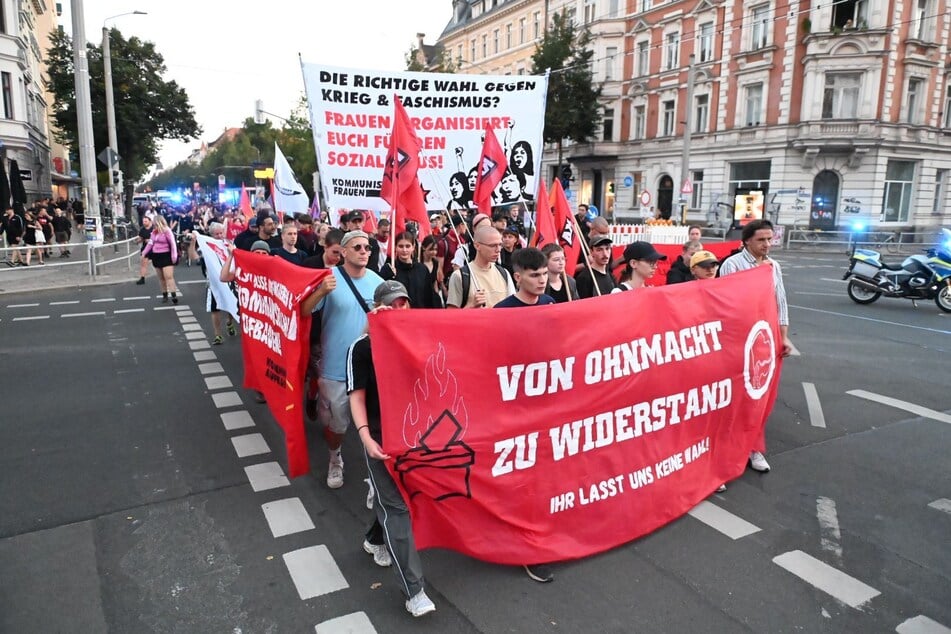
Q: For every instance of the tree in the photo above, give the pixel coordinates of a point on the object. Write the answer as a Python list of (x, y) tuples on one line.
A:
[(148, 108), (444, 63), (572, 110)]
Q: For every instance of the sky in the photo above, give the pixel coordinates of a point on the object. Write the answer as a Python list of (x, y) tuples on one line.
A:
[(226, 57)]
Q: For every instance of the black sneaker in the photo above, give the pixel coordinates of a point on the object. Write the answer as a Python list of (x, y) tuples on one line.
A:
[(140, 281), (540, 573)]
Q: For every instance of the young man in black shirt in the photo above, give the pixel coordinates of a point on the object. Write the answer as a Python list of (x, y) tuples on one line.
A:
[(596, 278)]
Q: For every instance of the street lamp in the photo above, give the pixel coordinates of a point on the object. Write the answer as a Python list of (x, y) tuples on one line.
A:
[(114, 178)]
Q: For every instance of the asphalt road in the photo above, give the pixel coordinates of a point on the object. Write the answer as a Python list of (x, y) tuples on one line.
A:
[(125, 504)]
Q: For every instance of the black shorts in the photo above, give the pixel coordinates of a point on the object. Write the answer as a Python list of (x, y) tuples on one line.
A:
[(161, 260), (62, 236)]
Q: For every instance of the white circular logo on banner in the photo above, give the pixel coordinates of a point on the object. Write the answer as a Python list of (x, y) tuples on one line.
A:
[(759, 360)]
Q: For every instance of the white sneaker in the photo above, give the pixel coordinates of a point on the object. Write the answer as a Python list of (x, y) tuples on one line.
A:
[(758, 462), (335, 471), (721, 488), (420, 604), (381, 556), (370, 494)]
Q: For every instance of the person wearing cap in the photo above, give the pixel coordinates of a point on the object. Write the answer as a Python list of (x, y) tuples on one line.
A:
[(482, 283), (704, 265), (266, 230), (595, 279), (343, 319), (510, 244), (390, 538), (680, 270), (355, 221), (640, 264), (306, 238), (757, 238)]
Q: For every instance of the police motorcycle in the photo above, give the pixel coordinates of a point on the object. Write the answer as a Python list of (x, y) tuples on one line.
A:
[(917, 277)]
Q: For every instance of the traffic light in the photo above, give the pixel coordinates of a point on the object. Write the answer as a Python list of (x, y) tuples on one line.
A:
[(611, 188), (565, 176), (115, 177)]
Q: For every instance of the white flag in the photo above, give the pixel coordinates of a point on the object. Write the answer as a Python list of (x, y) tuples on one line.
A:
[(289, 195), (215, 254)]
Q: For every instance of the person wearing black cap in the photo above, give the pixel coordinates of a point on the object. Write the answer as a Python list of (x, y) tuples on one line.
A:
[(595, 279), (640, 263)]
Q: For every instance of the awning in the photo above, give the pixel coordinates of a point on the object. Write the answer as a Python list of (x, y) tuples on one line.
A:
[(63, 178)]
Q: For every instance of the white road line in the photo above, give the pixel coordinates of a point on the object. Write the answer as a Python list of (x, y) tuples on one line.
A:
[(265, 476), (816, 293), (187, 319), (163, 308), (833, 582), (210, 368), (123, 311), (103, 299), (942, 504), (193, 282), (187, 327), (918, 410), (33, 318), (880, 321), (286, 517), (191, 336), (250, 445), (816, 417), (92, 314), (314, 572), (134, 299), (922, 625), (353, 623), (22, 305), (199, 345), (829, 533), (237, 420), (71, 301), (218, 382), (837, 281), (205, 355), (226, 399), (722, 520)]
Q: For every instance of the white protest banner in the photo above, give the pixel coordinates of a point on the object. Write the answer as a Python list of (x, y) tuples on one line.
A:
[(351, 113), (215, 254)]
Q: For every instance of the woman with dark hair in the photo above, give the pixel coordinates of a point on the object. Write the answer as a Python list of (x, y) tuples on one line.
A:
[(418, 279), (460, 192), (522, 165), (428, 251)]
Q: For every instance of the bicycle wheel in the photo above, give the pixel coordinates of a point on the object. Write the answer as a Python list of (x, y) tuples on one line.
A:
[(893, 243)]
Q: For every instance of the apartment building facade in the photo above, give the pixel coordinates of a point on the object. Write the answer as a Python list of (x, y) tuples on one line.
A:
[(834, 112)]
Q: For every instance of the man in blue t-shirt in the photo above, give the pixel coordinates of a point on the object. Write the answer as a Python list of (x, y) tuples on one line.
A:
[(343, 320), (531, 276)]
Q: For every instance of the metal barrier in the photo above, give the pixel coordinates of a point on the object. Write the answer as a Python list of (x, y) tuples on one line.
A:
[(92, 257), (893, 242), (98, 252)]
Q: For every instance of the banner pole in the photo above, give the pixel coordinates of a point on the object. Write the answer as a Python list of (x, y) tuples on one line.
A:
[(587, 255)]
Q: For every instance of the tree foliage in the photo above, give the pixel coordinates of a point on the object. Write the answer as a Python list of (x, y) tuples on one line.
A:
[(148, 108), (572, 109)]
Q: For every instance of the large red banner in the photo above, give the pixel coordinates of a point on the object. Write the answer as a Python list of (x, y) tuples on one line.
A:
[(563, 441), (276, 341)]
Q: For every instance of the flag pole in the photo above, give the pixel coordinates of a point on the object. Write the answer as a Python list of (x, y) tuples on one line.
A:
[(587, 255), (564, 280)]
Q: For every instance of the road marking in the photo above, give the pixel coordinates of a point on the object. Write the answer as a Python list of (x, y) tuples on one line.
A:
[(198, 345), (250, 445), (837, 281), (92, 314), (104, 299), (722, 520), (264, 476), (237, 420), (33, 318), (286, 517), (829, 526), (880, 321), (816, 417), (71, 301), (226, 399), (128, 310), (793, 350), (354, 623), (205, 355), (833, 582), (191, 327), (191, 336), (918, 410), (922, 625), (314, 572), (163, 308), (187, 319), (133, 299), (816, 293), (218, 382), (942, 504), (210, 368), (22, 305), (193, 282)]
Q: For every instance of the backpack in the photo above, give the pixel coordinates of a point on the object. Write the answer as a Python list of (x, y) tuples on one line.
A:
[(466, 276)]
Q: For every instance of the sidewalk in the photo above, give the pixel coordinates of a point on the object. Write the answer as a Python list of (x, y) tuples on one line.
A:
[(60, 273)]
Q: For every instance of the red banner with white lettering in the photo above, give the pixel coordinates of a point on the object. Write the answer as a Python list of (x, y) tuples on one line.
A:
[(565, 441), (276, 341)]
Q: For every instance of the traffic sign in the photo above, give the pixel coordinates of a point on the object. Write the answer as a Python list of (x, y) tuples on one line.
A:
[(265, 173), (645, 198), (687, 188), (108, 157), (221, 181), (628, 181)]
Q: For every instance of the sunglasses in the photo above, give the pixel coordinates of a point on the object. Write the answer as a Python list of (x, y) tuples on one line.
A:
[(361, 247), (708, 265)]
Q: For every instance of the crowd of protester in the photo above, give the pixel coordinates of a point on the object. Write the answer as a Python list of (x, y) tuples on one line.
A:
[(33, 232)]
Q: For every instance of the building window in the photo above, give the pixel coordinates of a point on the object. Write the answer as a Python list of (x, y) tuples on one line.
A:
[(921, 27), (644, 5), (754, 104), (696, 198), (841, 97), (609, 60), (589, 11), (508, 36), (607, 125), (913, 102), (613, 7), (571, 13), (640, 122), (705, 44), (899, 180), (521, 31), (7, 87), (472, 50), (536, 24), (947, 104), (669, 118), (750, 175), (849, 14), (495, 41), (672, 51), (3, 17), (759, 26), (643, 58), (485, 46), (940, 185), (701, 113)]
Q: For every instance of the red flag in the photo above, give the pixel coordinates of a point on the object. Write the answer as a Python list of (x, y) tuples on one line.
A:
[(492, 169), (244, 205), (370, 226), (545, 232), (401, 186), (568, 238)]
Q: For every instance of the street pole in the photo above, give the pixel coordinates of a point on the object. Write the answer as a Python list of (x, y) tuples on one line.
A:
[(111, 116), (87, 153), (688, 125)]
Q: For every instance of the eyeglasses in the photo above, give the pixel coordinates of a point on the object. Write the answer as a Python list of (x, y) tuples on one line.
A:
[(650, 263), (708, 265), (496, 245), (361, 247)]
